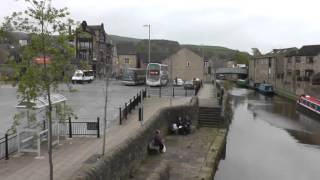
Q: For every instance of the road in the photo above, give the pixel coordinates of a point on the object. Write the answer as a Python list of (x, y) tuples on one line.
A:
[(269, 139)]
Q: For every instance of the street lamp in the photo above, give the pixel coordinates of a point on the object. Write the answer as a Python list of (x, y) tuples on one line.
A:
[(148, 25)]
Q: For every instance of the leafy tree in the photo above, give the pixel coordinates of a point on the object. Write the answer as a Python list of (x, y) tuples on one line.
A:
[(48, 28), (241, 58)]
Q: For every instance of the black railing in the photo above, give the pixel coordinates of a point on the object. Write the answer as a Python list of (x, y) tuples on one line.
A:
[(80, 128), (128, 107), (8, 145)]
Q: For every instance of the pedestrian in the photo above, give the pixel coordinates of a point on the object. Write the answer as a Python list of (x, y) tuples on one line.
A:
[(157, 141)]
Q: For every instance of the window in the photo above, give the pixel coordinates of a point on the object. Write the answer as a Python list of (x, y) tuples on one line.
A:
[(297, 73), (298, 59), (310, 60), (126, 60), (308, 73), (206, 64), (188, 63), (289, 60)]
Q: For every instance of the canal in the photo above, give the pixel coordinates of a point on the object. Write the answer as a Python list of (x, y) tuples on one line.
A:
[(268, 139)]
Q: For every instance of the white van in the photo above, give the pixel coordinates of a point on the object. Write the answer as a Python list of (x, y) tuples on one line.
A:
[(81, 76)]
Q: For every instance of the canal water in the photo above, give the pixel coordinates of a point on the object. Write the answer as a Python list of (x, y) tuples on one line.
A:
[(269, 140)]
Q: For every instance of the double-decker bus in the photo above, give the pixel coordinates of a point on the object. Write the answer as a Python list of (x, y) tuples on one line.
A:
[(157, 74), (134, 76)]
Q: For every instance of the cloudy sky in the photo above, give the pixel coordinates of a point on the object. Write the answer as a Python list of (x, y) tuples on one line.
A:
[(237, 24)]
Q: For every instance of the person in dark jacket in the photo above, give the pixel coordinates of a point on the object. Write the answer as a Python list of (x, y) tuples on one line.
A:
[(157, 140)]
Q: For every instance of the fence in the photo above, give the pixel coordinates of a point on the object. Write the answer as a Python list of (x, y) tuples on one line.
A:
[(8, 145), (128, 107), (80, 128), (174, 91)]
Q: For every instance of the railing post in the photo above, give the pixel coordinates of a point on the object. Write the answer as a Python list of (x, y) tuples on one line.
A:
[(145, 93), (130, 106), (70, 128), (125, 110), (44, 125), (173, 92), (98, 127), (6, 146), (120, 118)]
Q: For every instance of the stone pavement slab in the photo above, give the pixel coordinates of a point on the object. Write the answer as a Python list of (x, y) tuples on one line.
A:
[(208, 96)]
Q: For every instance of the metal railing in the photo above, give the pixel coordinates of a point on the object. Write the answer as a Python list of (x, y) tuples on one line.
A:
[(8, 145), (129, 106)]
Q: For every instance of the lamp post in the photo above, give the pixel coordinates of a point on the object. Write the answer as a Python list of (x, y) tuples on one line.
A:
[(148, 25)]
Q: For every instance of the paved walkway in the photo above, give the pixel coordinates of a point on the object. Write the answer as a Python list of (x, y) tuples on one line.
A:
[(208, 96), (69, 157)]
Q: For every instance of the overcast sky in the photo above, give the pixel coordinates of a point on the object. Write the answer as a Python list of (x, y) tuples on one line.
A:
[(237, 24)]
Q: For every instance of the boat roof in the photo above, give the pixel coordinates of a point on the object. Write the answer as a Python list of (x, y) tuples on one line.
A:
[(312, 99)]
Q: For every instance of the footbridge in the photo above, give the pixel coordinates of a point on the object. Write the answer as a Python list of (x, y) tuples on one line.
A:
[(243, 71)]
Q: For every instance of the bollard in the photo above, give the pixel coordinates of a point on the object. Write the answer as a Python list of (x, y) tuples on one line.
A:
[(6, 146), (70, 128), (130, 105), (98, 127), (140, 114), (125, 110), (160, 91), (120, 118), (172, 92)]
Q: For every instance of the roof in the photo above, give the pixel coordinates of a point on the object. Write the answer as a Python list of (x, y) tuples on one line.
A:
[(309, 50), (42, 101), (126, 49), (275, 52)]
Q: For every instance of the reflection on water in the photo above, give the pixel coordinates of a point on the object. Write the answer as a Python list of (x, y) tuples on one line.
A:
[(269, 139)]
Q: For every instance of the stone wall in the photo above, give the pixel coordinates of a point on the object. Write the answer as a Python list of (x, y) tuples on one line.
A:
[(118, 164)]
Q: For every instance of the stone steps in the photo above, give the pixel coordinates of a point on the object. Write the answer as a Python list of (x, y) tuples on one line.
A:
[(210, 117)]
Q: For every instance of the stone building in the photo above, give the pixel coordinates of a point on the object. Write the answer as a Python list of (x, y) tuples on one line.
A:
[(302, 71), (93, 46), (263, 67), (126, 57), (185, 65), (291, 71)]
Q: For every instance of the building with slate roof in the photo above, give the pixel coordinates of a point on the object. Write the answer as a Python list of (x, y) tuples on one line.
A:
[(291, 71), (94, 46), (126, 57)]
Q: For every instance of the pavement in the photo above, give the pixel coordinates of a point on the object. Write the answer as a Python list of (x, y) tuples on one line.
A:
[(72, 153), (208, 96)]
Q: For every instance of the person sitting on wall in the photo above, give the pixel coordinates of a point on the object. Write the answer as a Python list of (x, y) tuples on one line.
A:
[(158, 142)]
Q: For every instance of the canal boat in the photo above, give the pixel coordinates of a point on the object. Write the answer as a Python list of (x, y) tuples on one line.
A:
[(309, 103), (266, 89), (242, 83)]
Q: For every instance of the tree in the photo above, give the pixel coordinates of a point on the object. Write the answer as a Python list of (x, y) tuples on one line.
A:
[(48, 28), (241, 58)]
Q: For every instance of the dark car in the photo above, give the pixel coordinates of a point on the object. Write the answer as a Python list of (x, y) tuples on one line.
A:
[(188, 85)]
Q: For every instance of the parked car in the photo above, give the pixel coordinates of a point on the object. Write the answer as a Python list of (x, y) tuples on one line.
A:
[(178, 82), (188, 85)]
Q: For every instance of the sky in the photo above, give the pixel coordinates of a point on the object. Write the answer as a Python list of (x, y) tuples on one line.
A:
[(236, 24)]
